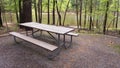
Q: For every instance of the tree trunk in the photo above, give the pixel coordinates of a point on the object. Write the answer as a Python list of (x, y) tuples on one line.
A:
[(90, 25), (85, 13), (1, 24), (40, 10), (16, 11), (113, 23), (53, 12), (77, 13), (80, 13), (97, 20), (20, 11), (35, 6), (25, 12), (48, 11), (59, 15), (105, 19), (65, 13), (117, 15)]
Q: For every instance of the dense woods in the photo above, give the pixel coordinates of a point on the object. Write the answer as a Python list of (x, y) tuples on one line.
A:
[(100, 15)]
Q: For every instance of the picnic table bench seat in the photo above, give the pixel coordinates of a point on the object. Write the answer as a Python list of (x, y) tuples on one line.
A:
[(34, 41), (72, 34)]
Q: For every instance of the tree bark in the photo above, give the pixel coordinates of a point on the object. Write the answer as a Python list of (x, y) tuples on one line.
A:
[(113, 22), (25, 9), (80, 13), (97, 20), (59, 15), (90, 25), (40, 10), (77, 13), (1, 23), (16, 11), (85, 13), (105, 19), (117, 18), (48, 11), (65, 13), (53, 12), (35, 6), (20, 11)]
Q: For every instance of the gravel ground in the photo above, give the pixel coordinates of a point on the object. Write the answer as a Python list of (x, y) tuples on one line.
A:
[(88, 51)]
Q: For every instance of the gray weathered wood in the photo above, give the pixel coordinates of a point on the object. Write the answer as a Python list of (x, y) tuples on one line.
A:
[(72, 34), (35, 41), (50, 28)]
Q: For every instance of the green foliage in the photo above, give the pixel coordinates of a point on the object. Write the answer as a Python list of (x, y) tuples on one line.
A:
[(9, 5), (98, 9), (60, 3)]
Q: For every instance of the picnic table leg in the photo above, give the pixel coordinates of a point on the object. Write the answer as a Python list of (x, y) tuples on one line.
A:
[(59, 40), (57, 51), (59, 46), (70, 41), (40, 32), (26, 32), (52, 36), (15, 39), (64, 41), (32, 32)]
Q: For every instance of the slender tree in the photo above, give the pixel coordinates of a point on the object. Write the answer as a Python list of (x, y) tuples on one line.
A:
[(35, 7), (113, 22), (90, 25), (48, 11), (1, 24), (85, 16), (40, 10), (80, 13), (20, 11), (117, 18), (105, 18), (97, 20), (66, 12), (54, 12), (58, 12), (16, 11), (76, 4)]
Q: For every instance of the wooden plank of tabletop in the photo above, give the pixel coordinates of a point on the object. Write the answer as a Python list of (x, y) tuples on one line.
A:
[(50, 28)]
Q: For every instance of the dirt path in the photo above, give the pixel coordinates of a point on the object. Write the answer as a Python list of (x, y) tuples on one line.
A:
[(88, 51)]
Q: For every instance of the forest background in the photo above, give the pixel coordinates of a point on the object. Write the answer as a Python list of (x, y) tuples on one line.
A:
[(93, 15)]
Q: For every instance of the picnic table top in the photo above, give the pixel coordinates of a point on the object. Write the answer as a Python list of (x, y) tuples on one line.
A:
[(46, 27)]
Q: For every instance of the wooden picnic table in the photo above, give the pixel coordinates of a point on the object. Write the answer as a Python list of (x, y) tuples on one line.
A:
[(59, 30)]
